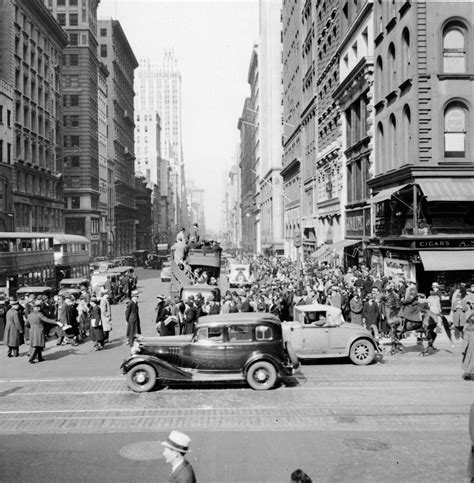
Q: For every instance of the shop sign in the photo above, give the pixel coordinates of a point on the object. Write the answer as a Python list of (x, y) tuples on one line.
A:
[(447, 243), (399, 269)]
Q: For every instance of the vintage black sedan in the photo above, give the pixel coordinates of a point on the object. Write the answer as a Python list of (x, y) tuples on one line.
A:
[(226, 347)]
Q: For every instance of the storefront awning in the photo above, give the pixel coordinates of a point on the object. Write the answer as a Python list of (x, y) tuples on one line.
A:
[(387, 193), (447, 189), (343, 244), (447, 260), (320, 252)]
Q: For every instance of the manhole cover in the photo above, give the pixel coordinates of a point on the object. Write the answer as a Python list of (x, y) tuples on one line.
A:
[(366, 444), (142, 451)]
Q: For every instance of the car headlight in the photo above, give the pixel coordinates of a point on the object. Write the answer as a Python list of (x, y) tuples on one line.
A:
[(135, 349)]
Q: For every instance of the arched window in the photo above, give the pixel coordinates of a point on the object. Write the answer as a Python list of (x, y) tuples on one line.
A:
[(379, 145), (406, 55), (455, 132), (406, 134), (392, 68), (454, 48), (393, 142), (379, 81)]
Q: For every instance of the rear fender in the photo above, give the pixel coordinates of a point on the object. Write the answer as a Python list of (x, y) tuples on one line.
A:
[(258, 356), (163, 369)]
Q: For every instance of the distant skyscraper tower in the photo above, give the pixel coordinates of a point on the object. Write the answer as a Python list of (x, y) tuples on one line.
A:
[(158, 88)]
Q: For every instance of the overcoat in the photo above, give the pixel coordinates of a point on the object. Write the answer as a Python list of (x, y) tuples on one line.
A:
[(184, 473), (133, 319), (371, 312), (96, 330), (14, 329), (35, 322), (106, 315), (356, 310), (468, 347)]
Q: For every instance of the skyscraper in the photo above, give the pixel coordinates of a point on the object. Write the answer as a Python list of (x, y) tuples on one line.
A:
[(158, 88)]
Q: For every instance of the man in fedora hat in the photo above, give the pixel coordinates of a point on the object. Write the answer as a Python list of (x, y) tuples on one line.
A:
[(14, 329), (35, 322), (132, 317), (175, 447)]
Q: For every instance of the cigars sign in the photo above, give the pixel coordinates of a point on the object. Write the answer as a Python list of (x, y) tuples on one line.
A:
[(444, 243)]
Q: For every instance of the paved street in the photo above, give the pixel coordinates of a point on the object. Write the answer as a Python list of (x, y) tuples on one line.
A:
[(72, 418)]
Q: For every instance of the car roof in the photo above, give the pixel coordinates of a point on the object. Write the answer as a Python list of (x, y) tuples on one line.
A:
[(318, 308), (33, 289), (245, 318), (74, 280)]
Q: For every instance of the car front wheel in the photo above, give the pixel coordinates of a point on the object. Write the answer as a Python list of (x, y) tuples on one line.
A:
[(141, 378), (362, 352), (262, 376)]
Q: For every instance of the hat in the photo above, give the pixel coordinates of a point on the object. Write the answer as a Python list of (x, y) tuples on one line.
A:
[(14, 302), (162, 297), (94, 299), (177, 441), (105, 290), (38, 303), (435, 284), (135, 293), (71, 297)]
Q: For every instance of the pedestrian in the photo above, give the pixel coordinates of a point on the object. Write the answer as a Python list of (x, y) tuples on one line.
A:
[(371, 313), (175, 448), (132, 317), (35, 322), (4, 306), (468, 350), (162, 314), (299, 476), (14, 329), (356, 306), (189, 317), (105, 314), (96, 327)]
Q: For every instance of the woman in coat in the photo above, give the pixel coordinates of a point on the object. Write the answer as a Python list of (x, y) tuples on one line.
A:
[(468, 350), (96, 330), (34, 322), (356, 306), (14, 329)]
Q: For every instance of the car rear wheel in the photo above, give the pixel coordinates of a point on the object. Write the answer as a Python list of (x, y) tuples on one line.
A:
[(262, 376), (141, 378), (362, 352)]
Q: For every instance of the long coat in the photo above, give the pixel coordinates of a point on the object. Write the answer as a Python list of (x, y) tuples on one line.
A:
[(132, 317), (14, 329), (410, 309), (371, 313), (468, 348), (35, 322), (96, 330), (356, 310), (105, 314)]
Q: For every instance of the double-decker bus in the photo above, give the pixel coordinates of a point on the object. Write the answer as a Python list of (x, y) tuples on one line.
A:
[(26, 259), (71, 256)]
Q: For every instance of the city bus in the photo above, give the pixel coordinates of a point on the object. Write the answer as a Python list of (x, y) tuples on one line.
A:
[(26, 259), (71, 256)]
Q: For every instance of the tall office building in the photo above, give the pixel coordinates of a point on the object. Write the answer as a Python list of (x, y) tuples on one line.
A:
[(115, 52), (31, 47), (158, 89), (80, 162)]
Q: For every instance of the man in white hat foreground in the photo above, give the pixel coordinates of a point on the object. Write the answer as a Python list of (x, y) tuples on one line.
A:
[(175, 447)]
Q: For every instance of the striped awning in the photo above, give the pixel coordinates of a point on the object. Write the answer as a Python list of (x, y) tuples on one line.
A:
[(447, 189)]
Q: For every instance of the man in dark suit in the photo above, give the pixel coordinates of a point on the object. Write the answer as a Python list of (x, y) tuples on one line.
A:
[(132, 317), (175, 447)]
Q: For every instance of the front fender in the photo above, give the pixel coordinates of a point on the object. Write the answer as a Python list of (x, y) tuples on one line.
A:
[(360, 337), (163, 369)]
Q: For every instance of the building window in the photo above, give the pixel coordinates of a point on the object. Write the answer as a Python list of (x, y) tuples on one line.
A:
[(379, 78), (74, 141), (73, 19), (75, 202), (392, 68), (73, 39), (454, 48), (103, 32), (62, 19), (73, 3), (75, 161), (393, 140), (455, 132), (74, 100), (103, 50), (406, 55), (61, 3), (73, 59), (407, 135)]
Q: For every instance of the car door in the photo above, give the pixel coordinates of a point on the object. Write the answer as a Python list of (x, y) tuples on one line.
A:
[(240, 345), (315, 335), (208, 350)]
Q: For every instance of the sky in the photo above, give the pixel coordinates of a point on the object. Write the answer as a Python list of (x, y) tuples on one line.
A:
[(212, 41)]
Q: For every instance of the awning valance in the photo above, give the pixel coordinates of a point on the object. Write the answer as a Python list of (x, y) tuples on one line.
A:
[(447, 189), (343, 244), (387, 193), (447, 260)]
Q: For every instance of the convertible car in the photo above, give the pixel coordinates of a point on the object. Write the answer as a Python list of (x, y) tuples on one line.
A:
[(319, 331), (225, 347)]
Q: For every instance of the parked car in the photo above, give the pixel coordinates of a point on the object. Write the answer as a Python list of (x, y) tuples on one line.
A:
[(37, 291), (319, 331), (165, 275), (225, 347)]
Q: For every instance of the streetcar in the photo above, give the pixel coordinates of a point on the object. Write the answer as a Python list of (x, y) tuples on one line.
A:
[(71, 256)]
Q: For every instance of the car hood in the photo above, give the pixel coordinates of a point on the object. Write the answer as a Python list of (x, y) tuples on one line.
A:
[(172, 340)]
